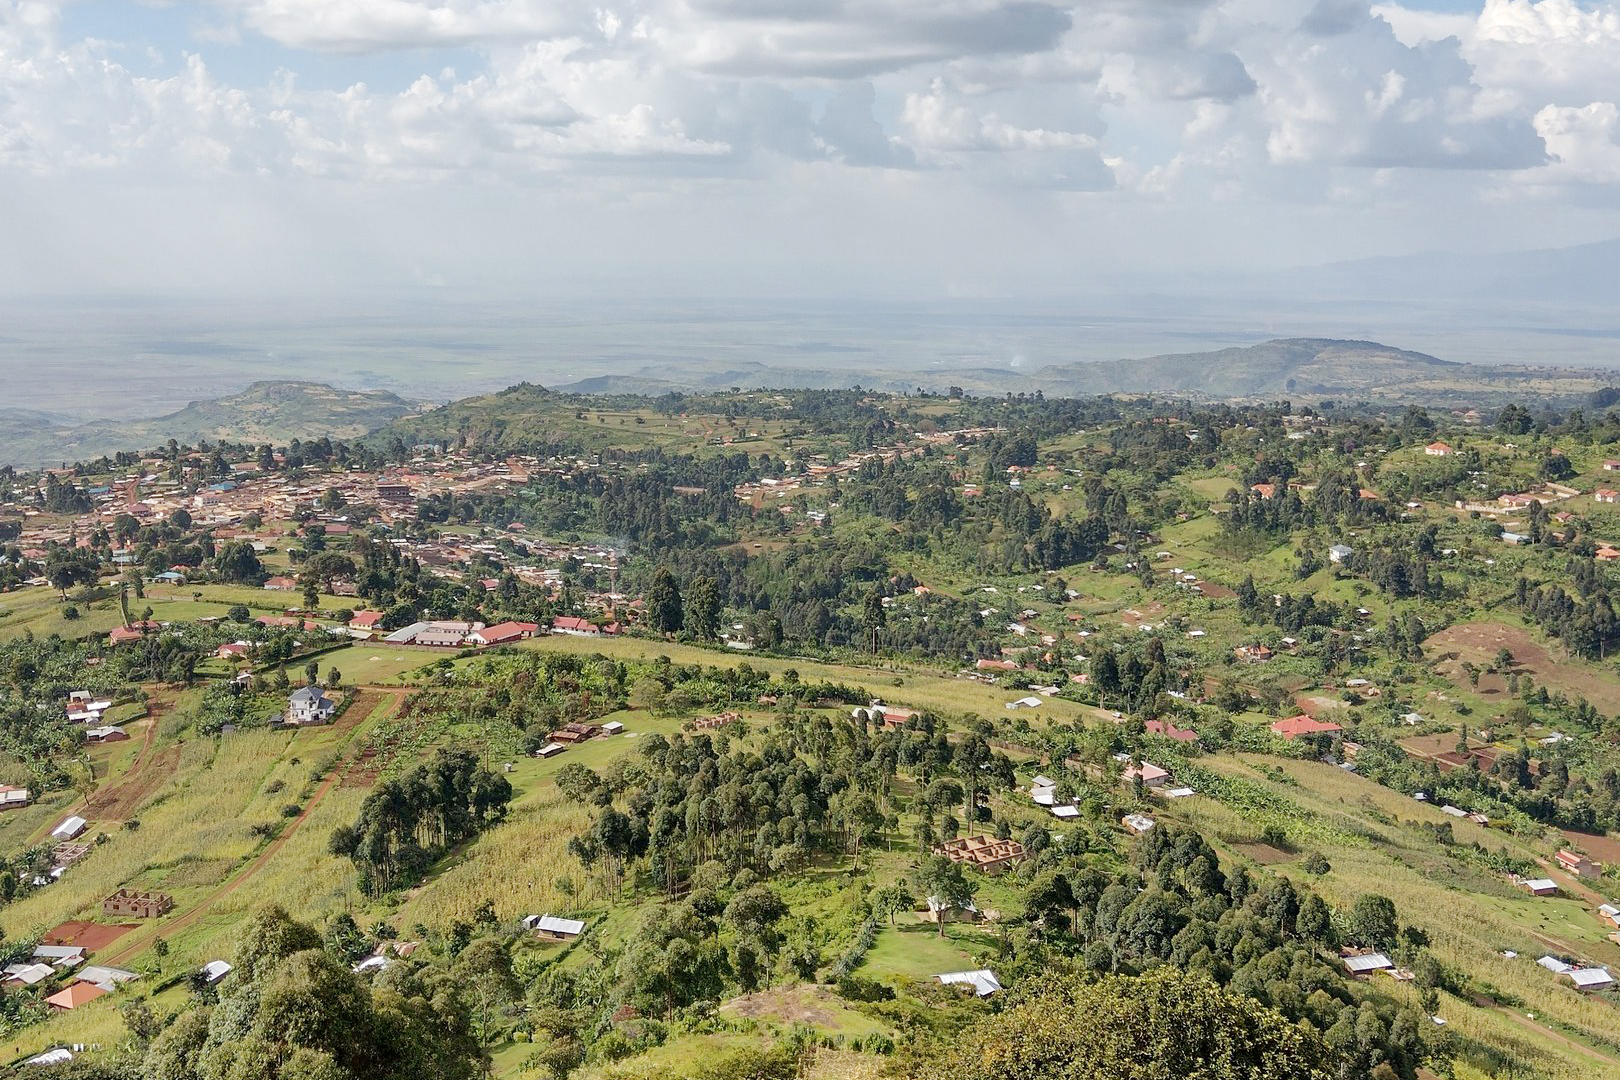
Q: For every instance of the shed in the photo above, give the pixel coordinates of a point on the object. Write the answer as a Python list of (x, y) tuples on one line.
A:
[(550, 926), (1367, 963), (70, 828), (983, 981)]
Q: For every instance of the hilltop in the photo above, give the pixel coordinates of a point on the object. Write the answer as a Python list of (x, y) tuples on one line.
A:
[(267, 411)]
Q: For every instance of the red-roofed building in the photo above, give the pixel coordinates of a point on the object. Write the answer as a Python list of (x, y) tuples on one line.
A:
[(501, 633), (996, 665), (1295, 726), (281, 583), (1438, 449), (568, 624), (1575, 863), (1170, 731), (366, 620), (80, 993), (232, 649), (133, 632)]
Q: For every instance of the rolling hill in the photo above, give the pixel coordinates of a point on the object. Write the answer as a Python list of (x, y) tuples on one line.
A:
[(264, 412)]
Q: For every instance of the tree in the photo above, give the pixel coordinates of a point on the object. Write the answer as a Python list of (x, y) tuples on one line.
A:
[(326, 568), (664, 612), (943, 882), (754, 914), (1167, 1023), (873, 618), (703, 609), (1372, 921)]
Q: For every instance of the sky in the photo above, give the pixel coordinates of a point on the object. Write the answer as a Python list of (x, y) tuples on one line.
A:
[(778, 148)]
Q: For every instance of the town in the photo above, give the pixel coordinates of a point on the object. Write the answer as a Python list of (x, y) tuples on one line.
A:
[(697, 724)]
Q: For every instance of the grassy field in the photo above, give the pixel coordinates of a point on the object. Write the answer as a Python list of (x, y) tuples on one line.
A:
[(900, 685)]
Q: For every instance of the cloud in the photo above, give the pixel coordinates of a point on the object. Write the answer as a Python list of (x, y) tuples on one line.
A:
[(1344, 90), (364, 26), (850, 39), (1068, 111)]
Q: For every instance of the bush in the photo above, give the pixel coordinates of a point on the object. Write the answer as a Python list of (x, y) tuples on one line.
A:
[(291, 810), (861, 988)]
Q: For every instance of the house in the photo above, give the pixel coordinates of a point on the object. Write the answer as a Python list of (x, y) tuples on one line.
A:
[(1265, 491), (1539, 886), (995, 665), (1572, 862), (1367, 963), (938, 910), (141, 905), (1064, 812), (281, 583), (984, 852), (1606, 495), (1611, 465), (1295, 726), (550, 926), (108, 978), (213, 971), (1152, 776), (1438, 449), (1170, 731), (111, 733), (371, 964), (1137, 824), (1252, 654), (70, 828), (1589, 979), (309, 705), (551, 749), (575, 732), (502, 633), (133, 632), (366, 620), (1025, 703), (80, 993), (983, 982), (231, 650), (567, 624), (1610, 913), (60, 957), (612, 727), (1340, 552), (12, 798), (28, 974)]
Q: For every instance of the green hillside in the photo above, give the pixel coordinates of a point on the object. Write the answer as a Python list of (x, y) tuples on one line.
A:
[(265, 412)]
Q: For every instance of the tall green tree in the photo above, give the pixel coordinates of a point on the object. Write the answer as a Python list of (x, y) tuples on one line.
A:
[(664, 611)]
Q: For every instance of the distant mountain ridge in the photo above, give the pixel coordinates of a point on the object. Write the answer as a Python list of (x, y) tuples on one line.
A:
[(1307, 368), (267, 411)]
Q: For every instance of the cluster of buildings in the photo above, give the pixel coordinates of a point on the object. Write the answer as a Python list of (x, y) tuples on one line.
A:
[(817, 470), (982, 852)]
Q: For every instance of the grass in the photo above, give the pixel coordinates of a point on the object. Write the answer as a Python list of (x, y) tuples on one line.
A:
[(900, 685), (914, 950)]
